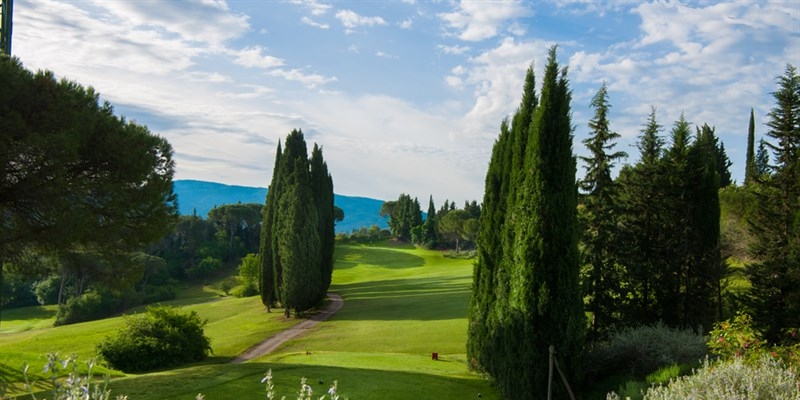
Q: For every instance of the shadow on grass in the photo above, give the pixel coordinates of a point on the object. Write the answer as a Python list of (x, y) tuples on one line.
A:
[(419, 299), (27, 313), (243, 381), (349, 257)]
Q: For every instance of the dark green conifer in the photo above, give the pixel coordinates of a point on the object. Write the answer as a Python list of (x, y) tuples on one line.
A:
[(750, 158), (599, 217)]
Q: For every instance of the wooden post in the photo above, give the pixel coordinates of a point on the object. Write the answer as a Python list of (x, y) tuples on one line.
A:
[(550, 375)]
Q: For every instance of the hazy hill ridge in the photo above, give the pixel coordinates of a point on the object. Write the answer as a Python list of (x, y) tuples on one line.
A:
[(201, 196)]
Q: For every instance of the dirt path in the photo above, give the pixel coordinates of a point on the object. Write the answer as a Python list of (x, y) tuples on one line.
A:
[(272, 343)]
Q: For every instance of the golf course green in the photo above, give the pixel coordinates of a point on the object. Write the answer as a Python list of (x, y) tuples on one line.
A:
[(401, 304)]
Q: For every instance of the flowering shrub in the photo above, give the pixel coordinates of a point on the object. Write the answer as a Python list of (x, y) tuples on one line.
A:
[(737, 339)]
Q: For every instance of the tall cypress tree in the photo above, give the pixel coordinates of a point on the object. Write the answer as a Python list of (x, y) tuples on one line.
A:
[(537, 296), (775, 277), (297, 231), (750, 158), (267, 258), (599, 218), (322, 188)]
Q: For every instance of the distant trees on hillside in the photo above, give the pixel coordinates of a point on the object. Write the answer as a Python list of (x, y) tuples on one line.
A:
[(297, 232), (448, 227)]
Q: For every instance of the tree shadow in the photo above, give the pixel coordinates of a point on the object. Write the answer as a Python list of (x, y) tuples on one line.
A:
[(419, 299), (349, 257)]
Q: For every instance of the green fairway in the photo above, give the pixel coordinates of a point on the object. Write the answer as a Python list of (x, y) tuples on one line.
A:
[(400, 305)]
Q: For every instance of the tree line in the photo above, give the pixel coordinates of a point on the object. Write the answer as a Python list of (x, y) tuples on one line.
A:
[(444, 228), (637, 249)]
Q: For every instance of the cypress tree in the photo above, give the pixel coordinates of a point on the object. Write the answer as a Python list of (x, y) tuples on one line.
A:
[(489, 254), (322, 187), (542, 303), (750, 158), (297, 230), (266, 255), (599, 218)]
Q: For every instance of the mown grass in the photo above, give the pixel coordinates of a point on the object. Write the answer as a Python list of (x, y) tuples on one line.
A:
[(401, 304)]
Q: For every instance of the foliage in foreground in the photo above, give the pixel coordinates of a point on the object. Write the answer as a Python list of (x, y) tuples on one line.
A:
[(162, 337), (767, 379), (77, 386), (642, 350)]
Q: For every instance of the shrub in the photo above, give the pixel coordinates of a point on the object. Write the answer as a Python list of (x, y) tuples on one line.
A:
[(765, 379), (88, 307), (642, 350), (47, 290), (736, 339), (204, 268), (161, 337)]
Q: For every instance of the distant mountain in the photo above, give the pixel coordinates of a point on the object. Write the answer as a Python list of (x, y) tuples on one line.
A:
[(202, 196)]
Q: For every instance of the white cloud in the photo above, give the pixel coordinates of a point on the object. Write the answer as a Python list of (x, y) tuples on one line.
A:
[(253, 57), (311, 22), (352, 20), (406, 23), (310, 80), (190, 21), (453, 49), (385, 55), (479, 20), (316, 8)]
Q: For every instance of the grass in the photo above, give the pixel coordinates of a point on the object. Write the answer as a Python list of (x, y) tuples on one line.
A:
[(401, 304)]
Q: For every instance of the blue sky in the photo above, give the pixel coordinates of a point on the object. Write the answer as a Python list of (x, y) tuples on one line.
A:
[(404, 96)]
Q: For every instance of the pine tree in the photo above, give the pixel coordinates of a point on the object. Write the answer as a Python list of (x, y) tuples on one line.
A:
[(599, 218), (702, 297), (750, 158), (775, 277), (762, 168), (642, 197)]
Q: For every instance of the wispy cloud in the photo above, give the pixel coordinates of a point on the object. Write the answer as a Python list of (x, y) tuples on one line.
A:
[(310, 80), (351, 20), (479, 20), (316, 7), (310, 22), (456, 49), (253, 57)]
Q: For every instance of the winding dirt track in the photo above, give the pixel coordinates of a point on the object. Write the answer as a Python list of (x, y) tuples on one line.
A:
[(270, 344)]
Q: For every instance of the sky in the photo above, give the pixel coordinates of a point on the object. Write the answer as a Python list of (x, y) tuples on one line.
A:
[(405, 96)]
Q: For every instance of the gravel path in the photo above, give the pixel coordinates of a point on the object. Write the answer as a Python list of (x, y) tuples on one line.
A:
[(272, 343)]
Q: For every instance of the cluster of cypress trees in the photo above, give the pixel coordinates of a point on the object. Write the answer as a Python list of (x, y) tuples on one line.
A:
[(526, 291), (297, 232)]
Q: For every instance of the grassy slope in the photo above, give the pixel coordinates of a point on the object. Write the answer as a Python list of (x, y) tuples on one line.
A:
[(400, 306)]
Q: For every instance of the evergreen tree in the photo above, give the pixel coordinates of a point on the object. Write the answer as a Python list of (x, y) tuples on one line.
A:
[(705, 270), (775, 277), (642, 197), (762, 168), (322, 187), (599, 218), (531, 299), (723, 165), (429, 236), (750, 158), (267, 257), (297, 230)]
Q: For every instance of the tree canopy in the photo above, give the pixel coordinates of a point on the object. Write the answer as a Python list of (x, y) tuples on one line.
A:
[(73, 173)]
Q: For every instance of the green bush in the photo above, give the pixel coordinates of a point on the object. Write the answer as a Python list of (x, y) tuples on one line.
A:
[(642, 350), (204, 268), (161, 337), (88, 307), (47, 289), (766, 379)]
